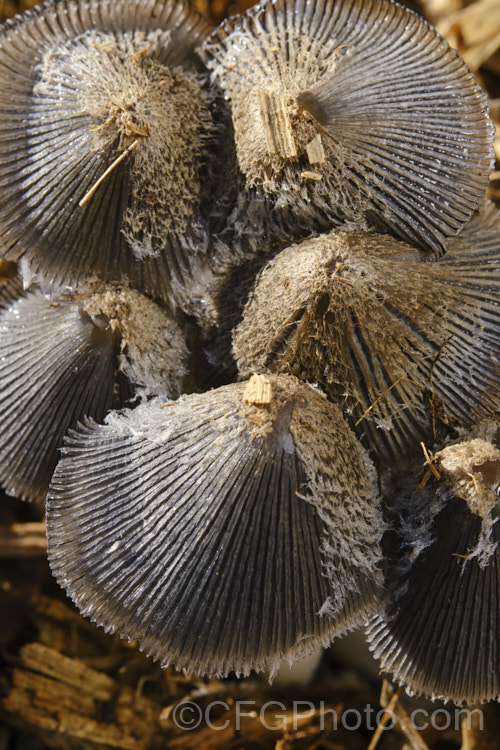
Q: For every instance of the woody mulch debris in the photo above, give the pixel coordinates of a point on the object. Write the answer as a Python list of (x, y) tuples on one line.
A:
[(66, 684)]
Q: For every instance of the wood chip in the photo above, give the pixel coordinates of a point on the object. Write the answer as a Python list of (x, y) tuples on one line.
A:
[(23, 540), (277, 125), (307, 175), (474, 31), (315, 151), (258, 391), (61, 695)]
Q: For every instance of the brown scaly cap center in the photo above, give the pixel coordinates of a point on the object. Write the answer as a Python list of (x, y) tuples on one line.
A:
[(473, 472)]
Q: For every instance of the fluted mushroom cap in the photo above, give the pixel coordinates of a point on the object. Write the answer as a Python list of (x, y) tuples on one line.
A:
[(400, 342), (441, 634), (345, 109), (74, 356), (224, 532), (87, 86)]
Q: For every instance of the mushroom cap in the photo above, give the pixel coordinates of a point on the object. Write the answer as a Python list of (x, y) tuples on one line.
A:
[(440, 636), (353, 110), (397, 340), (75, 356), (154, 352), (87, 87), (218, 530)]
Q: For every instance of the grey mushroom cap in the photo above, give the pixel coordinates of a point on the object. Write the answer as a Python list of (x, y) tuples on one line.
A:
[(105, 142), (352, 111), (65, 358), (440, 635), (217, 530), (400, 342)]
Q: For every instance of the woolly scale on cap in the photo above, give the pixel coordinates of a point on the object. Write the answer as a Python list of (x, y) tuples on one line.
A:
[(75, 356), (105, 134), (382, 331), (352, 110), (217, 530)]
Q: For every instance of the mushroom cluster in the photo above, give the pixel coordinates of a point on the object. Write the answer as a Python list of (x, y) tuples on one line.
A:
[(255, 277)]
